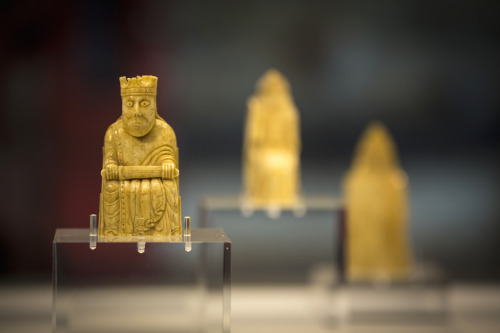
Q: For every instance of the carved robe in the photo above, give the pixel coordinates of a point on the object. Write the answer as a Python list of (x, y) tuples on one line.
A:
[(155, 202), (377, 214)]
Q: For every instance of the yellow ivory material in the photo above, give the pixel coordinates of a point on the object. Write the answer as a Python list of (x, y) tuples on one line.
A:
[(271, 144), (140, 175), (377, 210)]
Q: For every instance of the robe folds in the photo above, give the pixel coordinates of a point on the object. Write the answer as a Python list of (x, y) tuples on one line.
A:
[(376, 205), (148, 206)]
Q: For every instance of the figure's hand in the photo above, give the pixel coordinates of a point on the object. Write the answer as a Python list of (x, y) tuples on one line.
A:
[(111, 171), (168, 171)]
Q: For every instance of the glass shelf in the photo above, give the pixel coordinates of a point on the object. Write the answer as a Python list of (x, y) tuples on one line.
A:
[(280, 254), (176, 285), (279, 249)]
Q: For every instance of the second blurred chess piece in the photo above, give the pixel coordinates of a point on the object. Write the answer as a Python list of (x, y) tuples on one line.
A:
[(375, 192), (271, 151)]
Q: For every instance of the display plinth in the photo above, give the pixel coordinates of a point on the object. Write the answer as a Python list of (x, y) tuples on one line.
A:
[(407, 303), (276, 260), (281, 250), (176, 285)]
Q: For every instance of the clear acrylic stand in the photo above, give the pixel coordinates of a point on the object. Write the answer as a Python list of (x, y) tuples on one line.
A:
[(279, 242), (141, 283), (297, 265), (420, 301), (276, 259)]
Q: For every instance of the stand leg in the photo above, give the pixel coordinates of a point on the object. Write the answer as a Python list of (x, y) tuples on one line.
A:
[(187, 234), (141, 245), (342, 244), (93, 231)]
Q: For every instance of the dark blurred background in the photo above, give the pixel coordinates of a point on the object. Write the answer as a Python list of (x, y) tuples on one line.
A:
[(428, 69)]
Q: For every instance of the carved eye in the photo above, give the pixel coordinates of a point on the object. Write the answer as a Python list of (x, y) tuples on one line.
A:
[(144, 103), (130, 104)]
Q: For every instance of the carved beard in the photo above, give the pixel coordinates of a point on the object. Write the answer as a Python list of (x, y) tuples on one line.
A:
[(138, 127)]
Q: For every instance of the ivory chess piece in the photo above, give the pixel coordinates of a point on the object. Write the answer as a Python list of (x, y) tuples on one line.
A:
[(271, 152), (375, 192), (140, 175)]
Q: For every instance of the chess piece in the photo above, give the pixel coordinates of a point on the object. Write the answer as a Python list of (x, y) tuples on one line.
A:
[(375, 192), (140, 176), (272, 145)]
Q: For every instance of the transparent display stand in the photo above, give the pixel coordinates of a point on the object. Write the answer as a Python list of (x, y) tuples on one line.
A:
[(279, 245), (141, 284), (420, 302), (288, 274), (276, 259)]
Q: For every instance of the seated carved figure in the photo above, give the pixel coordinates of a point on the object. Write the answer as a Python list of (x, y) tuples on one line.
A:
[(377, 210), (140, 183), (272, 144)]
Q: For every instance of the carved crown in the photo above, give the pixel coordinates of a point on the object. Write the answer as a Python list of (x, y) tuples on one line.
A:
[(140, 85)]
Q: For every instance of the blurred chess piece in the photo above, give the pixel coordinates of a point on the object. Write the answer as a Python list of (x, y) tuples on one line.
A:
[(271, 152), (140, 176), (375, 192)]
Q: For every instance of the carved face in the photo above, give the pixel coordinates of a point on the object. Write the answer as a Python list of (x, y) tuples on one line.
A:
[(138, 114)]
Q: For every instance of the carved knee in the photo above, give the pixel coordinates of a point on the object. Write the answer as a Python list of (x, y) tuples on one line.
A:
[(112, 186)]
